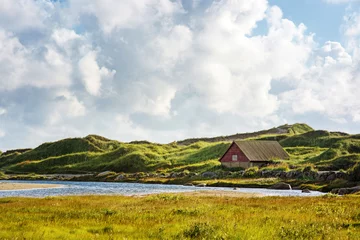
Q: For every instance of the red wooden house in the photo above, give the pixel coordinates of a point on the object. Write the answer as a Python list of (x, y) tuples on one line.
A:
[(247, 154)]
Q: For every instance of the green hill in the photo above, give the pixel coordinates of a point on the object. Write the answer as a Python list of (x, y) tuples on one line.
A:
[(280, 132), (306, 146)]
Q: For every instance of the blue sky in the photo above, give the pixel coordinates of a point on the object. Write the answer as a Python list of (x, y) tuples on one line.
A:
[(321, 18), (162, 70)]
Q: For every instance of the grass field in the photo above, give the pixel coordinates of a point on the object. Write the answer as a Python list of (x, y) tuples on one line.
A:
[(175, 216)]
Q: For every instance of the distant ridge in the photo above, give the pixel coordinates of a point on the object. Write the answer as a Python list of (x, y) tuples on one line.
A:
[(297, 128)]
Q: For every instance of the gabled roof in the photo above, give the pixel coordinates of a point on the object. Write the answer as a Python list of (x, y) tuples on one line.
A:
[(262, 150)]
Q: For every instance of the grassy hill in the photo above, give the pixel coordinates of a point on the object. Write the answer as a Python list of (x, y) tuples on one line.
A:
[(306, 146)]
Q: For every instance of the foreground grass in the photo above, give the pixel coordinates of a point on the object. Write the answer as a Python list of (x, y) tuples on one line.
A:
[(174, 216)]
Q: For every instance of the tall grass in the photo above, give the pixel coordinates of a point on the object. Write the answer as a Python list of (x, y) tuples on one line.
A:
[(174, 216)]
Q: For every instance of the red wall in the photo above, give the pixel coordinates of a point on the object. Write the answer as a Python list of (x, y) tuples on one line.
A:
[(234, 150)]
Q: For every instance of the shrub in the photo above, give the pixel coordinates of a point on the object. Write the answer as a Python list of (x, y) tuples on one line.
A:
[(354, 173), (309, 168), (251, 172), (199, 231), (281, 167)]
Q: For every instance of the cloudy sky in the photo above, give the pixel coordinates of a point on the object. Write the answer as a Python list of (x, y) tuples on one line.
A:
[(165, 70)]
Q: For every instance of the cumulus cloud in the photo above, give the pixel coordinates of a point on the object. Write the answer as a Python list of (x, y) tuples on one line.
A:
[(24, 14), (21, 66), (147, 69), (92, 74), (65, 105), (114, 14)]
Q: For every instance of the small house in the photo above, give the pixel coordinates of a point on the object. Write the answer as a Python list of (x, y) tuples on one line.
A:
[(247, 154)]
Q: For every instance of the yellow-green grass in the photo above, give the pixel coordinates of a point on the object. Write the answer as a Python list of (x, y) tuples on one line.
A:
[(175, 216)]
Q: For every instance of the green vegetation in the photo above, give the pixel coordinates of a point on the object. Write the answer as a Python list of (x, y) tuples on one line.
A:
[(176, 216), (93, 154), (321, 149)]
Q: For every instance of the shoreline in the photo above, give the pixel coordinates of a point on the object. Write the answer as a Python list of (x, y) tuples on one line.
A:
[(7, 186)]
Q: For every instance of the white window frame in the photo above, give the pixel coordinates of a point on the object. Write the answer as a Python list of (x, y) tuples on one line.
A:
[(234, 158)]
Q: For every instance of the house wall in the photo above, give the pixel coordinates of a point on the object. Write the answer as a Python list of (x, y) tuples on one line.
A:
[(242, 160), (236, 164), (234, 150)]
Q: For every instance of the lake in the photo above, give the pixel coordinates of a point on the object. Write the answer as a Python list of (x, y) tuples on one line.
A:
[(128, 189)]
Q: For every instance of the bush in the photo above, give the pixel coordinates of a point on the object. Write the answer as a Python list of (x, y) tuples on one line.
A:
[(281, 167), (354, 173), (251, 172), (309, 168)]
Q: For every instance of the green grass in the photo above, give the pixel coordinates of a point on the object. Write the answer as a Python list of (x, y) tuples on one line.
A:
[(126, 157), (322, 149), (174, 216)]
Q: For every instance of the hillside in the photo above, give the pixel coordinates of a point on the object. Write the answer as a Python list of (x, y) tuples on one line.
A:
[(320, 149), (280, 132)]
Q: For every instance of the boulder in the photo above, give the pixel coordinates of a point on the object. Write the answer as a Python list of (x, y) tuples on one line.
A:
[(173, 175), (331, 176), (344, 191), (119, 177), (341, 175), (209, 175), (103, 174), (281, 186), (305, 191)]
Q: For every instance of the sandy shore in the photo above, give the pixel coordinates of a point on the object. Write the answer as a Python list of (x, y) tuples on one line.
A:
[(22, 186)]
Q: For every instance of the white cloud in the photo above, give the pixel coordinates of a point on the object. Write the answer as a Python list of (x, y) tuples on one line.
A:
[(91, 74), (65, 105), (19, 67), (2, 111), (23, 14), (225, 69), (178, 74), (169, 48), (152, 96), (115, 14)]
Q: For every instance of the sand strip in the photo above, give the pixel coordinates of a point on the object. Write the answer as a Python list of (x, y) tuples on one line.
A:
[(24, 186)]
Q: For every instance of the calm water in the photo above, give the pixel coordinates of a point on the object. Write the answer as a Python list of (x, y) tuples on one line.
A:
[(102, 188)]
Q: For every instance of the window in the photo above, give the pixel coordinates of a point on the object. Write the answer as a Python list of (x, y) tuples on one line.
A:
[(234, 157)]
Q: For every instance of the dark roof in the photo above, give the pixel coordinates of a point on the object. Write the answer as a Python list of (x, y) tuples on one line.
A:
[(262, 150)]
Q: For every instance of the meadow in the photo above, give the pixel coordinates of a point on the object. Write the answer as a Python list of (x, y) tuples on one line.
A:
[(177, 216)]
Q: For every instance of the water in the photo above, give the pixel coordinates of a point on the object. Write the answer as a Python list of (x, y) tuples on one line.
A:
[(128, 189)]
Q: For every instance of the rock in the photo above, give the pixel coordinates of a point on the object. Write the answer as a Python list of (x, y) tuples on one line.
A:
[(103, 174), (281, 186), (201, 185), (235, 188), (331, 176), (305, 191), (119, 177), (344, 191), (341, 175), (209, 175), (173, 175), (289, 175)]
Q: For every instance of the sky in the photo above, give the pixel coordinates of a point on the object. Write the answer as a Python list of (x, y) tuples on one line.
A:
[(166, 70)]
